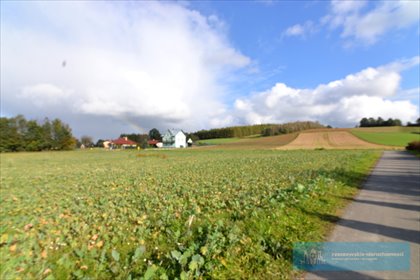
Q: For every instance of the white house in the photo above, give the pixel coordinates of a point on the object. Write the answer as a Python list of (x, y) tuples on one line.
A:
[(174, 139), (189, 142)]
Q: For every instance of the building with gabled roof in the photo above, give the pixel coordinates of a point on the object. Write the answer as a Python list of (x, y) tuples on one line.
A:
[(123, 142), (174, 139)]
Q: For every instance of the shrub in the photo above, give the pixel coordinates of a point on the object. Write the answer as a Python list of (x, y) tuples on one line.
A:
[(413, 146)]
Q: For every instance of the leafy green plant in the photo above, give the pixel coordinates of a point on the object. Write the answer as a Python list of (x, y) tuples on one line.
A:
[(196, 214)]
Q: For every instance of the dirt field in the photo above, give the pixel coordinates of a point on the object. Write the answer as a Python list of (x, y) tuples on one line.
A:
[(329, 140), (257, 143)]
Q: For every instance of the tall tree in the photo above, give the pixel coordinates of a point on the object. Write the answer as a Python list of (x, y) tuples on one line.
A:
[(86, 141), (380, 121), (364, 122), (47, 141), (397, 122), (10, 139), (33, 136), (62, 136), (100, 143), (155, 134)]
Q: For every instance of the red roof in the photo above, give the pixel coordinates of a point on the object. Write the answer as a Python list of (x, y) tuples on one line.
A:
[(152, 142), (123, 141)]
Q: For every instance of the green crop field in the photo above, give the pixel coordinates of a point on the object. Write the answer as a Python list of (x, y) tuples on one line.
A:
[(391, 136), (218, 141), (180, 214)]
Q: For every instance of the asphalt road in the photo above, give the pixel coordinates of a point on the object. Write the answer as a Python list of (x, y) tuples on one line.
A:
[(387, 209)]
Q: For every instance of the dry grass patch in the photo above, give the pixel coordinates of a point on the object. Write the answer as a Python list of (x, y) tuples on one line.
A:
[(271, 142)]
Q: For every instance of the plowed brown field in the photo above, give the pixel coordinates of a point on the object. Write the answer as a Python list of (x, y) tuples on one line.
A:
[(329, 140)]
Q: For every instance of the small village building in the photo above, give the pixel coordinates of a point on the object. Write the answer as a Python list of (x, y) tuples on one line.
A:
[(174, 139), (107, 144), (155, 143), (123, 143), (190, 142)]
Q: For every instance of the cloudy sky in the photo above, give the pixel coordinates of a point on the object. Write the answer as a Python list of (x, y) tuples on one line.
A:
[(111, 67)]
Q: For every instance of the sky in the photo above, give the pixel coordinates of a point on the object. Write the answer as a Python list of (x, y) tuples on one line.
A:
[(114, 67)]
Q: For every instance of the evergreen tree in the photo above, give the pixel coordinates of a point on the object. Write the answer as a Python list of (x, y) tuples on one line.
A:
[(155, 134)]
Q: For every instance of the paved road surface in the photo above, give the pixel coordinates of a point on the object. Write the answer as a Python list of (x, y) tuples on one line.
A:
[(386, 210)]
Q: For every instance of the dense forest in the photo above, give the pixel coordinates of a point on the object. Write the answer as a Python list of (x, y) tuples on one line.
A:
[(290, 128), (263, 129), (229, 132), (370, 122), (20, 134)]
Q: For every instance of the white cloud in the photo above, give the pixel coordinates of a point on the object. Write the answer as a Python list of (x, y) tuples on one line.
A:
[(408, 94), (369, 82), (44, 94), (357, 107), (368, 25), (295, 30), (344, 7), (359, 22), (300, 30), (341, 103), (152, 63)]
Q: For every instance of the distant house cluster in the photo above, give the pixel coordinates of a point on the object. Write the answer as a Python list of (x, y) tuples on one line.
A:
[(155, 143), (120, 143), (171, 139)]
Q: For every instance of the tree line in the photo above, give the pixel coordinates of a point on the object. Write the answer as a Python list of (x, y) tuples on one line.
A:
[(417, 123), (371, 122), (20, 134), (230, 132), (290, 128), (260, 129)]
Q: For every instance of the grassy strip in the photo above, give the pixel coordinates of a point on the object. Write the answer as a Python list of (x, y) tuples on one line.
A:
[(400, 139), (218, 214), (218, 141), (406, 129)]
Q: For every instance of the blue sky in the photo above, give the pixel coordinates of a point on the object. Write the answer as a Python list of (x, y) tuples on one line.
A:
[(131, 66), (258, 30)]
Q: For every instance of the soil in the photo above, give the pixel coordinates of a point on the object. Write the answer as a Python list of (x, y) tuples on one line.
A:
[(329, 140)]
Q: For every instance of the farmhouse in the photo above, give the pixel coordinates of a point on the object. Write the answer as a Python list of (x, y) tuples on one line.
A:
[(123, 143), (107, 144), (155, 143), (174, 139)]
